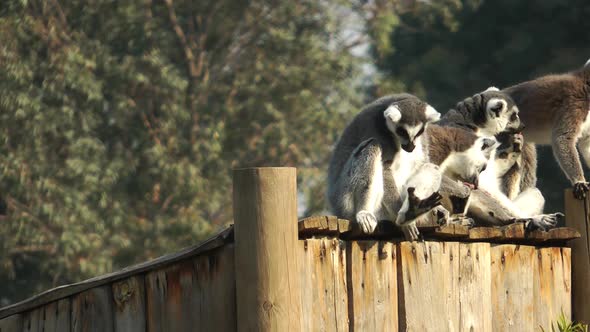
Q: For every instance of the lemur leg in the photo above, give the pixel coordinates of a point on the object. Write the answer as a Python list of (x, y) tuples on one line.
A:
[(530, 202), (456, 200), (366, 172), (488, 210), (566, 154)]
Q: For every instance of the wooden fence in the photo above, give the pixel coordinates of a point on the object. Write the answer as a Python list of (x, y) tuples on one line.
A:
[(272, 273)]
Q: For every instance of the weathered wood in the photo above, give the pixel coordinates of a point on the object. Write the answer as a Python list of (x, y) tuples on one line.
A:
[(451, 231), (577, 216), (332, 224), (537, 236), (563, 234), (512, 288), (513, 232), (475, 287), (129, 308), (92, 310), (552, 286), (372, 286), (344, 226), (31, 320), (324, 299), (53, 317), (485, 233), (265, 213), (428, 274), (11, 323), (64, 291), (193, 295)]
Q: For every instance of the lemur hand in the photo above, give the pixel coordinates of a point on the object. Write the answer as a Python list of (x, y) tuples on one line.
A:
[(580, 189)]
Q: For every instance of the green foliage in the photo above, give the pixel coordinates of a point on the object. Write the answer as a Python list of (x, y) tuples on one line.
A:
[(121, 121), (563, 324), (447, 50)]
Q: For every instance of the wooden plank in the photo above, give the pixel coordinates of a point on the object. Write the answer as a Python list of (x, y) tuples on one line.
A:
[(552, 286), (332, 224), (372, 286), (324, 299), (576, 216), (193, 295), (563, 234), (265, 215), (451, 231), (512, 288), (129, 296), (485, 233), (513, 232), (223, 237), (55, 316), (11, 323), (537, 236), (428, 277), (31, 320), (92, 310), (344, 226), (475, 289)]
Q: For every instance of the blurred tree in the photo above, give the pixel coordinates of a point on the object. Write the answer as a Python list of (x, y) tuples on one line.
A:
[(121, 121), (447, 50)]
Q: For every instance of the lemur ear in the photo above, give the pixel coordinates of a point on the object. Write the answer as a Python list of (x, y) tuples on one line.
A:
[(393, 113), (492, 88), (496, 105), (431, 114)]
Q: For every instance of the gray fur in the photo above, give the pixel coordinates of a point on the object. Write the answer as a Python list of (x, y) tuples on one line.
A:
[(555, 108), (366, 145)]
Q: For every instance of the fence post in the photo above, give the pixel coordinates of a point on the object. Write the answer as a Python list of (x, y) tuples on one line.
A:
[(576, 216), (266, 258)]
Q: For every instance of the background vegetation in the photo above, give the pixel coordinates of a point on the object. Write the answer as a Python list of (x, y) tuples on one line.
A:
[(120, 121)]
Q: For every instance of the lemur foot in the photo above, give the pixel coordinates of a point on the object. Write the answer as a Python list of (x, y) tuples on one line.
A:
[(442, 215), (367, 221), (580, 189), (410, 231), (461, 220), (418, 207), (544, 221)]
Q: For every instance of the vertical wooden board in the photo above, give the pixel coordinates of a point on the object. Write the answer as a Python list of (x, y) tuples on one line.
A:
[(552, 286), (372, 286), (55, 316), (198, 294), (92, 310), (428, 277), (11, 323), (324, 299), (216, 288), (475, 287), (576, 216), (31, 320), (512, 288), (129, 297)]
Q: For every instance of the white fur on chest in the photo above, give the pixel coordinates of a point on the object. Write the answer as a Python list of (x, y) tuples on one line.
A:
[(406, 163)]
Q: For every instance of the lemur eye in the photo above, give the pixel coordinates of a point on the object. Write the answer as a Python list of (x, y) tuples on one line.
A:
[(401, 132), (497, 108), (513, 117)]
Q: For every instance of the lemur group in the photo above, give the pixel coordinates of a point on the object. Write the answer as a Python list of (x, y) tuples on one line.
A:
[(400, 160)]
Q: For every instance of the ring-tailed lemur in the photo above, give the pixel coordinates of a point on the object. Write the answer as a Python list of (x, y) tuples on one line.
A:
[(556, 109), (375, 156)]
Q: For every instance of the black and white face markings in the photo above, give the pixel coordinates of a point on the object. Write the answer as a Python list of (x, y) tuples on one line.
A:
[(467, 165), (409, 127), (501, 113)]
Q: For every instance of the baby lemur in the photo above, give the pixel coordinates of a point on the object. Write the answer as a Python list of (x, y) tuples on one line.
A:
[(556, 111)]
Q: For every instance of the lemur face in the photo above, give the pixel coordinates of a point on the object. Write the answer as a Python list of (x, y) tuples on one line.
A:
[(408, 119), (466, 166), (509, 150), (501, 113)]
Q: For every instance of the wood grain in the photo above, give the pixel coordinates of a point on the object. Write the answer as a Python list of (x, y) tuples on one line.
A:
[(129, 305), (265, 213), (11, 323), (576, 216), (324, 298), (475, 291), (512, 288), (428, 277), (372, 286), (92, 310), (552, 286)]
